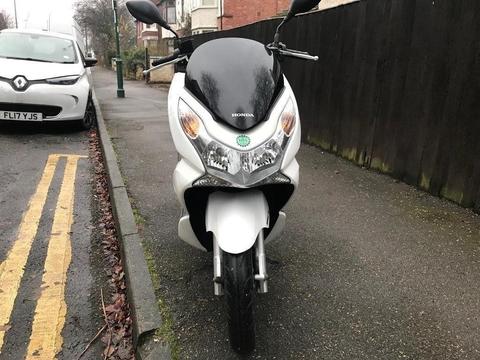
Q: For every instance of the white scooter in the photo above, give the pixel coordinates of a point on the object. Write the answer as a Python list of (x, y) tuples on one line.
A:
[(235, 123)]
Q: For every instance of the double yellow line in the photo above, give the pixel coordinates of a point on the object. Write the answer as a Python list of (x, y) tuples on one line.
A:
[(49, 318)]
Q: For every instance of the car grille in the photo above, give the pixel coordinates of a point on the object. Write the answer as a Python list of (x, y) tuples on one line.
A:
[(46, 110)]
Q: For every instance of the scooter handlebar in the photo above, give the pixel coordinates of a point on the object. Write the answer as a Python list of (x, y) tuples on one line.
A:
[(298, 55), (281, 49), (166, 58), (163, 63)]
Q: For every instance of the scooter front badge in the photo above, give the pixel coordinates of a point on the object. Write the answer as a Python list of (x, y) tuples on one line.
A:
[(243, 140)]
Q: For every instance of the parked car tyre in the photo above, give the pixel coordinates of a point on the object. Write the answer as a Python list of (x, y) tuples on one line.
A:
[(90, 118)]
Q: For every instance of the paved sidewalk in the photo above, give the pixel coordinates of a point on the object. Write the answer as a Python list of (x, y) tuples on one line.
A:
[(368, 268)]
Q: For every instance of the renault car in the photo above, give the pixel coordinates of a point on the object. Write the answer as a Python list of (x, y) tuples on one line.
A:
[(44, 77)]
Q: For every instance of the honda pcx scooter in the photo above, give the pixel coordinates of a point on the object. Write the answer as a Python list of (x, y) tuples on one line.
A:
[(235, 124)]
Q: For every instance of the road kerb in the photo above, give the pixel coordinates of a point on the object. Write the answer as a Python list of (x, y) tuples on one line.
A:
[(141, 294)]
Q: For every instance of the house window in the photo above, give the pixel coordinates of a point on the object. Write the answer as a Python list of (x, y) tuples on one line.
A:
[(170, 12), (171, 15)]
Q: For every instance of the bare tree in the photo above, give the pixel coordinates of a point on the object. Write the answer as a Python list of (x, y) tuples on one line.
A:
[(186, 30), (97, 17), (5, 21), (127, 30)]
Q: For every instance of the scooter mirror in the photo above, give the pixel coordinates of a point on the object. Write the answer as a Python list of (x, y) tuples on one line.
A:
[(301, 6), (146, 12), (297, 7)]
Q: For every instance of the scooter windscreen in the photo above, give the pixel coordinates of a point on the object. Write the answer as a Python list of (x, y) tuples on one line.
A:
[(237, 79)]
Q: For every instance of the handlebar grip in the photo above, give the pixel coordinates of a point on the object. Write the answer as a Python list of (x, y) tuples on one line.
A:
[(166, 58), (298, 55)]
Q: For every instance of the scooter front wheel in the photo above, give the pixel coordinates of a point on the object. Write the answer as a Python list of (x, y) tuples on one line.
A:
[(239, 288)]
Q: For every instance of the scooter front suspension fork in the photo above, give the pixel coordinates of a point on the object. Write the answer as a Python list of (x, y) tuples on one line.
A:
[(261, 277), (217, 268), (261, 265)]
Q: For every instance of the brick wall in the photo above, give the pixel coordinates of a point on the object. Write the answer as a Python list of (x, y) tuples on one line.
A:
[(242, 12)]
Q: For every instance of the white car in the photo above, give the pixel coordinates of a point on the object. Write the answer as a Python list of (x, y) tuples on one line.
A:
[(43, 77)]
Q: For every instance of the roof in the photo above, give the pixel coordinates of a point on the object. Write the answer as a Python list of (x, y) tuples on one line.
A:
[(40, 32)]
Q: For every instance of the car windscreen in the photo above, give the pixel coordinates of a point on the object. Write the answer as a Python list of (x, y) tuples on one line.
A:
[(35, 47)]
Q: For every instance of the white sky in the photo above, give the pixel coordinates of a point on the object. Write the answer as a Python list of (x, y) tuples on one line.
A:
[(34, 14)]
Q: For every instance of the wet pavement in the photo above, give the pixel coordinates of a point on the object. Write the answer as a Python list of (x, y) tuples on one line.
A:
[(368, 268), (50, 267)]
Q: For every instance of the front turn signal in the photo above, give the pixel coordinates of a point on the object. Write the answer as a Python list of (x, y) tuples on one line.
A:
[(189, 121), (289, 118)]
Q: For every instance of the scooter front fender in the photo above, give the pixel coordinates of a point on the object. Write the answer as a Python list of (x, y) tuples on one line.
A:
[(236, 219)]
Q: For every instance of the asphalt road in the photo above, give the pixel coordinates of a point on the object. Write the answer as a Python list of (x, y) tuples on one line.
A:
[(368, 268), (49, 264)]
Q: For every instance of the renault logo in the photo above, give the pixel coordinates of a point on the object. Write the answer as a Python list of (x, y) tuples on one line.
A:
[(20, 83)]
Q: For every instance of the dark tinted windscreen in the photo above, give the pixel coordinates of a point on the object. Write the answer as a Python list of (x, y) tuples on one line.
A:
[(237, 79)]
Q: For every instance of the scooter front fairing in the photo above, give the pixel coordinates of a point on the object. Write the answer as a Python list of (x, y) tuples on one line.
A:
[(195, 179), (236, 219)]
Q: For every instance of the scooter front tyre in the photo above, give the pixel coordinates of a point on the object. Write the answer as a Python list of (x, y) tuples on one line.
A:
[(239, 289)]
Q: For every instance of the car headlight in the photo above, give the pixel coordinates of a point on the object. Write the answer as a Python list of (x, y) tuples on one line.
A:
[(64, 80), (243, 168)]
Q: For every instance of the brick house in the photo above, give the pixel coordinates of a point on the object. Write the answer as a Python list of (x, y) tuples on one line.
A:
[(199, 15), (235, 13), (152, 36), (147, 35), (204, 16), (211, 15)]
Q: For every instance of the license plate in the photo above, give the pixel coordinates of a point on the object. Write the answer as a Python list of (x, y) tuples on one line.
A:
[(19, 115)]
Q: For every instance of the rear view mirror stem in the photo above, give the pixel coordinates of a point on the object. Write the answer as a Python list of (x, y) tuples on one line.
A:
[(276, 39), (296, 7), (147, 12)]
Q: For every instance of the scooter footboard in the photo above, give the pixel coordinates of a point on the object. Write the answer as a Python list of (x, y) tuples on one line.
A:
[(236, 219)]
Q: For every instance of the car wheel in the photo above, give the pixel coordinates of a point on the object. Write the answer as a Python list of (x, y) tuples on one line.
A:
[(90, 118)]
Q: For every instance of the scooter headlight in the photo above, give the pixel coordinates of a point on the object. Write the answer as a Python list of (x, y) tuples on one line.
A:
[(243, 168)]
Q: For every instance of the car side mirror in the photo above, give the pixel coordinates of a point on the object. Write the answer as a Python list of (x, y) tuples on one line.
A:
[(147, 12), (90, 62)]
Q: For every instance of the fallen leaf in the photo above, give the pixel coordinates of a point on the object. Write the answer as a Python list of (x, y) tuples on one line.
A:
[(5, 328)]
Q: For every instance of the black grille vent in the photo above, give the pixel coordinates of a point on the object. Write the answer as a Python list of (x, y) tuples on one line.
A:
[(46, 110)]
